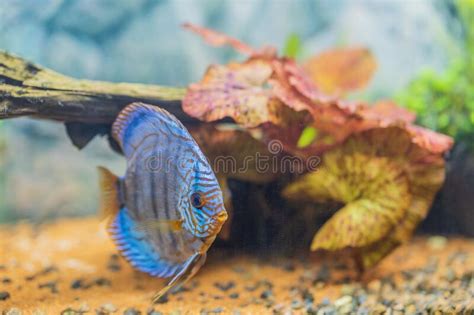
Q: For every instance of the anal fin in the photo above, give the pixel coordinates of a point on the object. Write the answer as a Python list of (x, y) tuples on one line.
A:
[(189, 269)]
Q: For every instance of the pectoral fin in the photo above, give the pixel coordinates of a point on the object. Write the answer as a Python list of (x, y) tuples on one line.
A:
[(227, 194), (109, 203), (189, 269)]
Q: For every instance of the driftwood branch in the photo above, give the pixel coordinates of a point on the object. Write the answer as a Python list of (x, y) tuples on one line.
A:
[(30, 90)]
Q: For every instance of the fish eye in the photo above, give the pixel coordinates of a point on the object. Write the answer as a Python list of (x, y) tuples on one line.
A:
[(197, 200)]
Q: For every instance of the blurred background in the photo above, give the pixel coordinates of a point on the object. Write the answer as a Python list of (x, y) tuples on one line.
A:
[(424, 51)]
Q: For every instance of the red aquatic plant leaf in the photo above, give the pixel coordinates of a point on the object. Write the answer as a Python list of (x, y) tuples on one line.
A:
[(336, 120), (388, 112), (258, 91), (293, 87), (431, 140), (341, 70), (263, 85), (219, 39), (270, 90), (235, 90)]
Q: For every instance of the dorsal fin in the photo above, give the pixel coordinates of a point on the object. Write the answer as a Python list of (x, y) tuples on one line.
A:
[(145, 119), (109, 202)]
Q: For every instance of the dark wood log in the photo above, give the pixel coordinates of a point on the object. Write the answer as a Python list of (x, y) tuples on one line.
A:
[(30, 90)]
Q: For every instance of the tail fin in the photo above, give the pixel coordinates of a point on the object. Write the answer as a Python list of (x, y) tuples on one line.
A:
[(109, 203)]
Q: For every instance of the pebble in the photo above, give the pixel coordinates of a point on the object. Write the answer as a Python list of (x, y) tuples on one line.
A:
[(77, 284), (347, 289), (101, 282), (378, 309), (238, 269), (410, 309), (323, 275), (6, 280), (289, 266), (266, 294), (71, 311), (131, 311), (84, 308), (458, 256), (307, 296), (450, 275), (106, 309), (327, 310), (114, 263), (437, 242), (42, 272), (52, 285), (325, 301), (225, 286), (162, 300), (4, 295), (374, 285), (152, 311), (259, 284), (13, 311), (216, 310), (346, 299), (296, 304), (234, 295)]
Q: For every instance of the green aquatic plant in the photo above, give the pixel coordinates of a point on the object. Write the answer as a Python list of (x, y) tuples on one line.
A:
[(293, 46), (445, 101)]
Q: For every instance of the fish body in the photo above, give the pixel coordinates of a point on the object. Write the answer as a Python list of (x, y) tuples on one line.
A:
[(168, 208)]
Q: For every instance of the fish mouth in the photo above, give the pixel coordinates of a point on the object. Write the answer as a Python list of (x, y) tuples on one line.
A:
[(212, 226), (221, 217)]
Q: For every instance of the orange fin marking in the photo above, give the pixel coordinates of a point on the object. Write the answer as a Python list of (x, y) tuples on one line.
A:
[(164, 225)]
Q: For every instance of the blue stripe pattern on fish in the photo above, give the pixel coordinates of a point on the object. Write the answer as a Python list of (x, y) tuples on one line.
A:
[(168, 208)]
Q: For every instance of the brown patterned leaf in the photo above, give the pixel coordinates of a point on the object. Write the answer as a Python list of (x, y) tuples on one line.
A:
[(388, 112), (235, 90), (293, 87), (339, 71), (375, 192), (387, 183)]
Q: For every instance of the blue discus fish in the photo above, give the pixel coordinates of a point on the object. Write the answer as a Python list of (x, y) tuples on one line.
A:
[(168, 208)]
